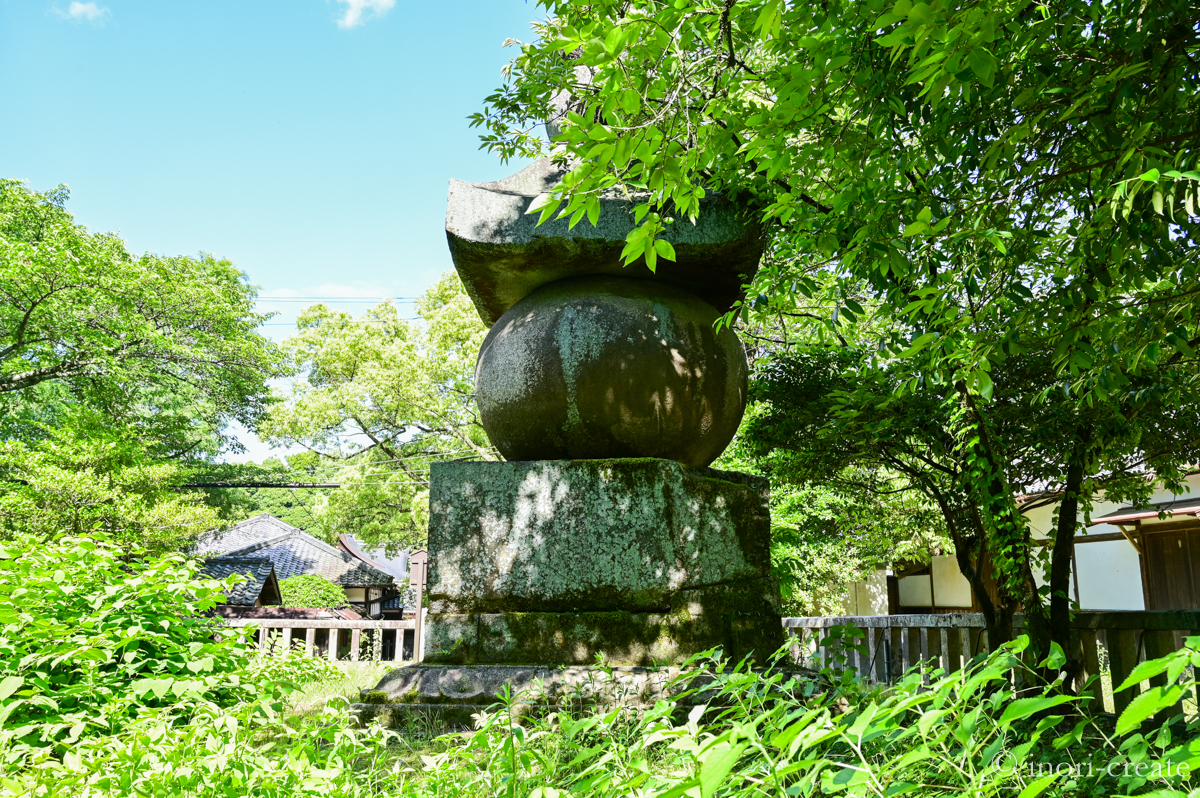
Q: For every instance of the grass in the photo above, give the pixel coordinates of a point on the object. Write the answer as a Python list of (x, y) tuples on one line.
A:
[(345, 684)]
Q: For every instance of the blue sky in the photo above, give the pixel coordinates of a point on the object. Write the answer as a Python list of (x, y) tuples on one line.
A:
[(308, 141)]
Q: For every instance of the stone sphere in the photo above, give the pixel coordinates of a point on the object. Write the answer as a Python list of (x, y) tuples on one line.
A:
[(600, 367)]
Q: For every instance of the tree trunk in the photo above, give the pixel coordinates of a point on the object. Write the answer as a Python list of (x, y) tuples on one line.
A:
[(1060, 557), (1002, 525)]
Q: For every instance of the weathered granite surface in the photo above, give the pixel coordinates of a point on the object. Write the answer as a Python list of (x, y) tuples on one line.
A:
[(600, 367), (591, 535), (503, 255), (424, 683), (623, 638)]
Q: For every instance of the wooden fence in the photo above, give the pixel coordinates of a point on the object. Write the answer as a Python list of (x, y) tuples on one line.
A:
[(1111, 643), (366, 640)]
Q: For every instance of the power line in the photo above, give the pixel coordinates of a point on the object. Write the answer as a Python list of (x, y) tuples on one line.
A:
[(360, 478), (336, 298), (488, 450), (292, 485), (352, 321)]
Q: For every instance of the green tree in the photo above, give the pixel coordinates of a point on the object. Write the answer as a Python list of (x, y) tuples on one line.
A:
[(383, 398), (116, 372), (999, 178), (311, 591), (84, 477), (165, 347), (829, 530), (294, 506)]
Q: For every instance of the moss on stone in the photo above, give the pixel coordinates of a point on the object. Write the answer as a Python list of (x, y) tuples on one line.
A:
[(376, 697), (622, 638)]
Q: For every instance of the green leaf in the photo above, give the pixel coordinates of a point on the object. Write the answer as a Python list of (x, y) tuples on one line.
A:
[(1146, 670), (1150, 176), (664, 249), (1036, 788), (919, 344), (849, 776), (10, 685), (1024, 707), (1148, 703), (983, 64), (918, 754), (1056, 659), (715, 766), (770, 20), (985, 385)]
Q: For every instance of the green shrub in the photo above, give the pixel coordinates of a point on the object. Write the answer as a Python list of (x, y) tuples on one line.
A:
[(993, 729), (311, 591), (91, 636), (246, 750), (111, 684)]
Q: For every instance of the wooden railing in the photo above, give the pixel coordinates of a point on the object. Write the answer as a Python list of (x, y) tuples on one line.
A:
[(279, 635), (1111, 644), (891, 643)]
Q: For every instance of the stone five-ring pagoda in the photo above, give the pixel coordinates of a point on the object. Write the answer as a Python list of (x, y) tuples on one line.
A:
[(608, 391)]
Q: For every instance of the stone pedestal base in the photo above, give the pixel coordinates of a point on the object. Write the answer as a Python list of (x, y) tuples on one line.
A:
[(450, 695), (633, 561), (441, 696)]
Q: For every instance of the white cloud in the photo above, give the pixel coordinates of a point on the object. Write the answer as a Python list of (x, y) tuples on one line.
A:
[(80, 12), (359, 11)]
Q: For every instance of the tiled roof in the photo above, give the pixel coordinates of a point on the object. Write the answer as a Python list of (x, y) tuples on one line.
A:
[(292, 551), (287, 613), (247, 533), (296, 552), (257, 571)]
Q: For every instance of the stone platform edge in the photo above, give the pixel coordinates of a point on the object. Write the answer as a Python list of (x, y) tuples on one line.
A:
[(446, 695)]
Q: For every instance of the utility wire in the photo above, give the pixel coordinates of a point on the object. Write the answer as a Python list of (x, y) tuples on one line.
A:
[(336, 298)]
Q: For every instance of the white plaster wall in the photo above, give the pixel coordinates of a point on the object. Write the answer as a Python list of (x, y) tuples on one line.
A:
[(950, 587), (1109, 572), (867, 596), (356, 594), (850, 600), (1041, 521), (915, 592), (1110, 576)]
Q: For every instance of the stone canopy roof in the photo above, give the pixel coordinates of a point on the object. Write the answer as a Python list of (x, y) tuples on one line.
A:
[(292, 551), (259, 572)]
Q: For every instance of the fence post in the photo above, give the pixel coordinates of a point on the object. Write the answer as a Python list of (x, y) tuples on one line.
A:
[(1090, 659), (287, 641), (355, 642), (421, 569), (1122, 659), (1160, 643), (333, 644)]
